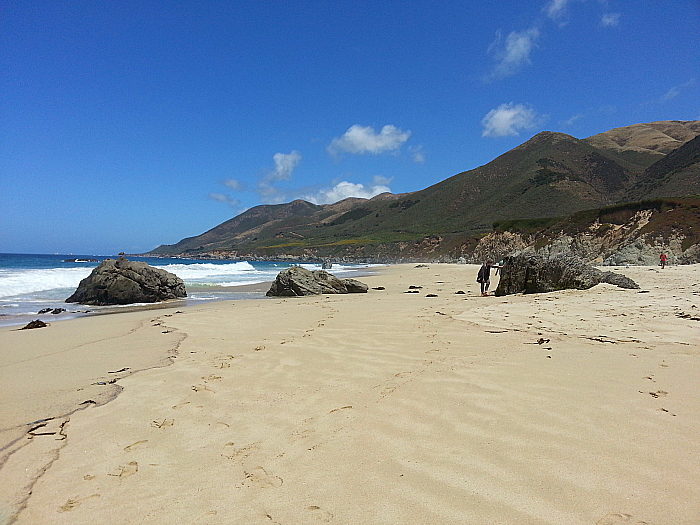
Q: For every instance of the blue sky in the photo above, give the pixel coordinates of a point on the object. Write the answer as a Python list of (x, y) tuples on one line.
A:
[(128, 124)]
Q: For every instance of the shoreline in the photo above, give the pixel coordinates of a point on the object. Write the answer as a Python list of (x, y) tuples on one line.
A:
[(228, 293), (297, 407)]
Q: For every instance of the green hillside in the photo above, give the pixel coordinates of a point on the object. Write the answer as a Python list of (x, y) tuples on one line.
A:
[(551, 175)]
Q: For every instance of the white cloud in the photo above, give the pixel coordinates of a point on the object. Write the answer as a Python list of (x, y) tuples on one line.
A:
[(221, 197), (509, 119), (345, 189), (555, 9), (417, 153), (284, 165), (610, 20), (234, 185), (364, 139), (572, 120), (513, 53), (676, 90)]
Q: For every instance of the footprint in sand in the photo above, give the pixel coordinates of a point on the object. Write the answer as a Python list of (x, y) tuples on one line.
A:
[(341, 408), (239, 453), (388, 390), (124, 471), (134, 446), (74, 502), (319, 514), (616, 519), (261, 479)]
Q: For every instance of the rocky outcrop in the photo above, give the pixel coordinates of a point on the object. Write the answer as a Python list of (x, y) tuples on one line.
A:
[(122, 281), (298, 281), (528, 273), (634, 233)]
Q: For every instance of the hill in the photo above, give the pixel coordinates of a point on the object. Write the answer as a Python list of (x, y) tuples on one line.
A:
[(550, 175)]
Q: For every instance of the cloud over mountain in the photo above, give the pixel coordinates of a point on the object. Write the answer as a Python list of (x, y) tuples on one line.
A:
[(345, 189), (509, 119), (364, 139)]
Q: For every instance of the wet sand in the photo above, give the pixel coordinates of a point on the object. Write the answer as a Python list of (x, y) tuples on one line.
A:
[(574, 407)]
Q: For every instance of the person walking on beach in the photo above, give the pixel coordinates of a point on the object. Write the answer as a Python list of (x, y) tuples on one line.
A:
[(484, 277), (663, 260)]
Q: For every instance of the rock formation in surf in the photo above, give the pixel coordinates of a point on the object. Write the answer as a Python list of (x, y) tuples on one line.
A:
[(122, 281), (298, 281)]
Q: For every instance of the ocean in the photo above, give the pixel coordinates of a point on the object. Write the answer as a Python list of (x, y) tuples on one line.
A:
[(30, 283)]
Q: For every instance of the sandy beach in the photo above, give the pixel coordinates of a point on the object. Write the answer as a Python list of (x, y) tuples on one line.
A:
[(573, 407)]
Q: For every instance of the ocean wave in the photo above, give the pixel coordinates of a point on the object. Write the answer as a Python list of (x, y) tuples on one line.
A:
[(210, 272), (20, 282)]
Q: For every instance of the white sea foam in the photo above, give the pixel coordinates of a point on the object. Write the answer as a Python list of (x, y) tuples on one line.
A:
[(216, 274), (21, 282)]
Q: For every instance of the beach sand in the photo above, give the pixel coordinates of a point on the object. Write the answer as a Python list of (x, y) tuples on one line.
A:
[(573, 407)]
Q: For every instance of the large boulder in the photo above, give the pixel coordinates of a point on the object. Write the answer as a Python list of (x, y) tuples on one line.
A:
[(122, 281), (529, 273), (297, 281)]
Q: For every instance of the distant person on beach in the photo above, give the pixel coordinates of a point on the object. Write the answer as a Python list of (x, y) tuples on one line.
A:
[(663, 260), (484, 277)]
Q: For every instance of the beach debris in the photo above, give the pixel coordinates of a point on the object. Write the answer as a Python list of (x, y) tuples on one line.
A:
[(162, 424), (37, 323), (431, 295), (529, 273), (658, 393), (540, 341), (297, 281), (378, 288), (110, 382), (412, 291), (120, 370), (412, 287), (459, 292), (601, 339), (122, 281), (421, 266)]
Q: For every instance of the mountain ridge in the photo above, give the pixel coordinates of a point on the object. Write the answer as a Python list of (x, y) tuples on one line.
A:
[(551, 175)]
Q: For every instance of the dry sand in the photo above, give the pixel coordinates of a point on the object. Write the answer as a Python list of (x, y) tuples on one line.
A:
[(378, 408)]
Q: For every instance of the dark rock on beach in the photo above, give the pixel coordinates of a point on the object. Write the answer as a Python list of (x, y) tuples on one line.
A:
[(34, 324), (537, 274), (122, 281), (298, 281)]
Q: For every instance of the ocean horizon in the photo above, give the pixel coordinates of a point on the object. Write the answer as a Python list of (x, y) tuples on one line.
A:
[(30, 283)]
